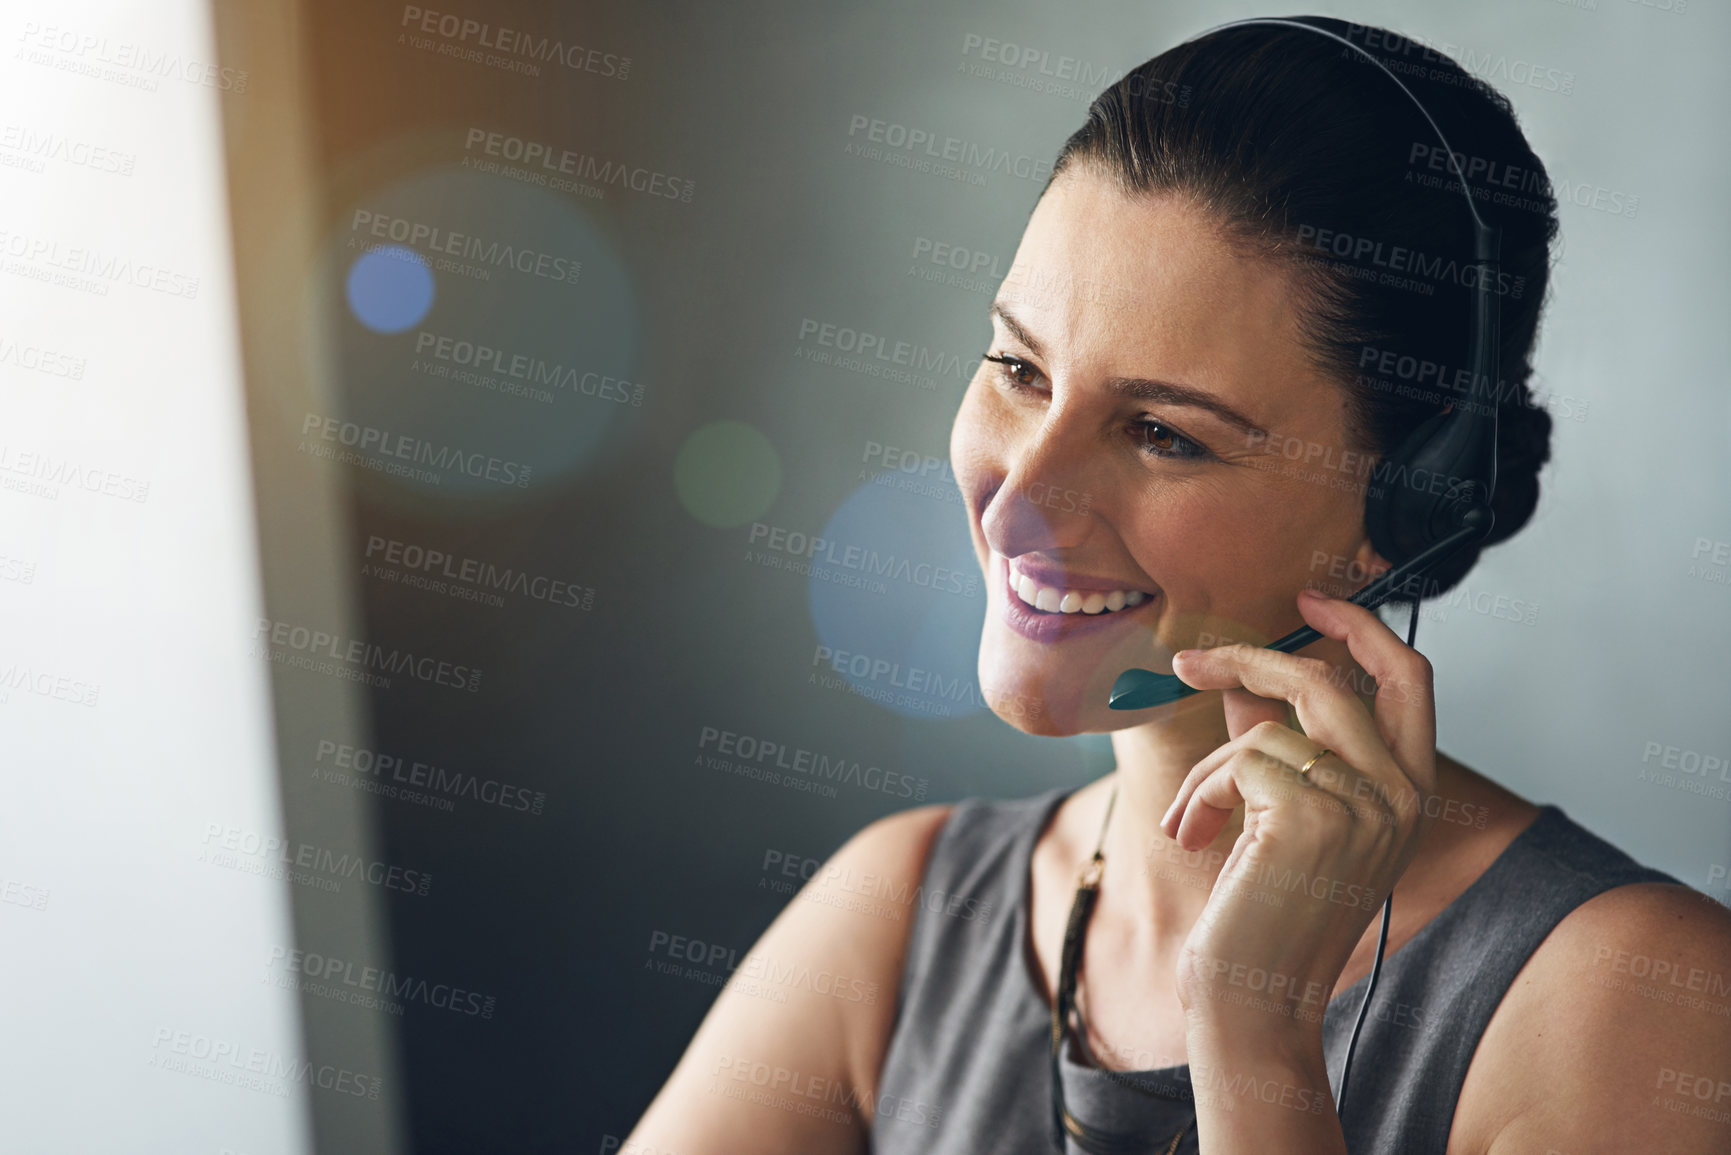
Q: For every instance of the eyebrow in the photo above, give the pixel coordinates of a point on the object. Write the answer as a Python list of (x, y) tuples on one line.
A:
[(1145, 389)]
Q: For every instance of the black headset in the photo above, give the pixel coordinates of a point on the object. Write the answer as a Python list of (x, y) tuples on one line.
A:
[(1409, 522)]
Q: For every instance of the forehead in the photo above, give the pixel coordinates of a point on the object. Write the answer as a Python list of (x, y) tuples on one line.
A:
[(1151, 286)]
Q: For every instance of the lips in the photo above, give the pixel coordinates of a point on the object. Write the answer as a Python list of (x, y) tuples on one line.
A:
[(1056, 578), (1041, 626)]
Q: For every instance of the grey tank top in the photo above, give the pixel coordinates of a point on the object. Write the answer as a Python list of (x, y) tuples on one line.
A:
[(968, 1069)]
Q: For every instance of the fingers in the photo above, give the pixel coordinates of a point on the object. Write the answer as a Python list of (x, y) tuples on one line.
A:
[(1328, 711), (1209, 799), (1284, 750), (1405, 696), (1286, 746), (1404, 719), (1250, 777), (1244, 710), (1386, 797)]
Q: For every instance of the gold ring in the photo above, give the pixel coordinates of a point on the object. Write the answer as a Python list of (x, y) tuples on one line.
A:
[(1319, 756)]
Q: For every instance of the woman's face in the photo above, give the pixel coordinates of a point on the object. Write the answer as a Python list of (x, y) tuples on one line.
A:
[(1119, 313)]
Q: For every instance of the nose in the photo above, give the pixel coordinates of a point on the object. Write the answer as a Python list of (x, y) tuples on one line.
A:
[(1037, 499)]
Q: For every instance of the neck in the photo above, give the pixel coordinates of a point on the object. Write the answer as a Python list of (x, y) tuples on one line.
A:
[(1147, 873)]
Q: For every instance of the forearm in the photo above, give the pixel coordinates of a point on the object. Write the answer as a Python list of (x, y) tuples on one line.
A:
[(1261, 1089)]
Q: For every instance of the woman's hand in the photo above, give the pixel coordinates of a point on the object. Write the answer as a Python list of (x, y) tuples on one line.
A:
[(1319, 851)]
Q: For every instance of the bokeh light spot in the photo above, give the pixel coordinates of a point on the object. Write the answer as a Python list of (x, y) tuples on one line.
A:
[(897, 597), (390, 288), (726, 474)]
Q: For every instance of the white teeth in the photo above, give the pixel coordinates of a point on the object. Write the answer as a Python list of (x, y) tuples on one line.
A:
[(1056, 601)]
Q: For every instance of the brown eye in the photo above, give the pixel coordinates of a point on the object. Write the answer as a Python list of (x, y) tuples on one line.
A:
[(1016, 371), (1160, 440)]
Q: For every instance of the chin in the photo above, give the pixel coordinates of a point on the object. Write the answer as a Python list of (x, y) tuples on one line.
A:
[(1043, 699), (1027, 714)]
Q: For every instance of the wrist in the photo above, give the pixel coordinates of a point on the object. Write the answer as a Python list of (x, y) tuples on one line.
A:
[(1247, 1070), (1234, 1033), (1229, 998)]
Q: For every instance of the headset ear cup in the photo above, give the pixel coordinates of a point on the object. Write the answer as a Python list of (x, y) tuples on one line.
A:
[(1399, 512)]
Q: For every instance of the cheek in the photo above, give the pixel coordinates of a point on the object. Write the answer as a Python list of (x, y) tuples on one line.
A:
[(1212, 540), (1242, 557)]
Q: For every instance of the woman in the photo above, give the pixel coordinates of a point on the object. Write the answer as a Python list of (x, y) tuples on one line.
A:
[(1188, 343)]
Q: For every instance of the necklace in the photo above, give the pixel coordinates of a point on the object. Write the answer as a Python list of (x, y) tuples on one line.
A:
[(1064, 1001)]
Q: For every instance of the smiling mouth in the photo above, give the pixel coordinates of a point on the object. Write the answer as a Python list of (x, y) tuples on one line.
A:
[(1058, 602)]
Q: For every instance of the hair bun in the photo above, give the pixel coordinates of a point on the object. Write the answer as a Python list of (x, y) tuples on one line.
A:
[(1523, 448)]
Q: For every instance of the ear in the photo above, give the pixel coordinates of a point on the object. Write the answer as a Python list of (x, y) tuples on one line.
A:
[(1366, 561)]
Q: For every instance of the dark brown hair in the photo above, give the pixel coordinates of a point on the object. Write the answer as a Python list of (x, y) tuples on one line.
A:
[(1312, 156)]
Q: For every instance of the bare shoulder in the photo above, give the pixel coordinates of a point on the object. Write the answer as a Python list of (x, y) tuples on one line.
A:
[(1616, 1035), (862, 896), (786, 1060), (901, 840), (868, 889)]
